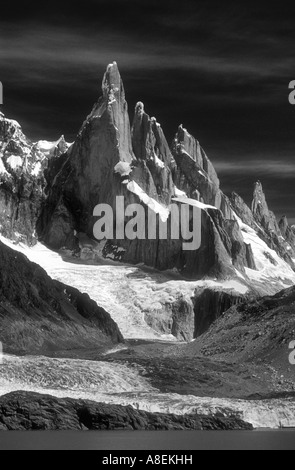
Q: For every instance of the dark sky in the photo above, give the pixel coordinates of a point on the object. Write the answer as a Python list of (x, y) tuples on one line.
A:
[(221, 69)]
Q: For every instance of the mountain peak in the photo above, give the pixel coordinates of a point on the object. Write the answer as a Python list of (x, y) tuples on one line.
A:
[(258, 186), (258, 196), (112, 85), (139, 108)]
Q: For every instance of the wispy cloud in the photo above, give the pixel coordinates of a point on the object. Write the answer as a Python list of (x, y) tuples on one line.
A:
[(280, 169)]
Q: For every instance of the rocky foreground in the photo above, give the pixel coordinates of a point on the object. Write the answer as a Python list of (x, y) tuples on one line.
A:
[(244, 354), (31, 411), (40, 314)]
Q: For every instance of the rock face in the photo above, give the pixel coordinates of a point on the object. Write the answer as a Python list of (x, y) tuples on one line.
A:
[(195, 174), (21, 411), (150, 146), (109, 159), (22, 182), (259, 330), (278, 236), (53, 149), (38, 315), (242, 210), (87, 178), (177, 319), (261, 212), (287, 232), (210, 304)]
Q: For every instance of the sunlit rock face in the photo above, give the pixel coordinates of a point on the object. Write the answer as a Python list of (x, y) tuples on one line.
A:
[(87, 177)]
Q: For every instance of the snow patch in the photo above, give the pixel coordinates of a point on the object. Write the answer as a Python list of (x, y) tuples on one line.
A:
[(193, 202), (15, 161), (45, 146), (179, 193), (37, 169), (148, 201), (280, 275), (158, 162), (123, 168)]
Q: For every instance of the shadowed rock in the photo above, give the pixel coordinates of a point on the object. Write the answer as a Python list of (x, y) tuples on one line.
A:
[(30, 411)]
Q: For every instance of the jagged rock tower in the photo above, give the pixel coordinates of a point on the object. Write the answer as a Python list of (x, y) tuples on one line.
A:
[(109, 159)]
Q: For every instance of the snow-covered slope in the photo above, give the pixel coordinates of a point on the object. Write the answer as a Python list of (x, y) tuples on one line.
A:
[(273, 273), (131, 294), (128, 293)]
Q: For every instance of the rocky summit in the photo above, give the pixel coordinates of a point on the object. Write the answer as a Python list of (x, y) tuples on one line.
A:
[(110, 158), (22, 181)]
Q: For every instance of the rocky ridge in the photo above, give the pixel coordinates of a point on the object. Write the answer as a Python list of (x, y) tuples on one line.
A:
[(22, 182), (111, 158), (40, 315)]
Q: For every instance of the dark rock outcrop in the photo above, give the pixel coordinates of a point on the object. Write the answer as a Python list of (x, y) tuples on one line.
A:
[(258, 330), (210, 304), (149, 144), (87, 177), (242, 210), (241, 252), (38, 314), (287, 232), (261, 212), (196, 175), (21, 411)]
